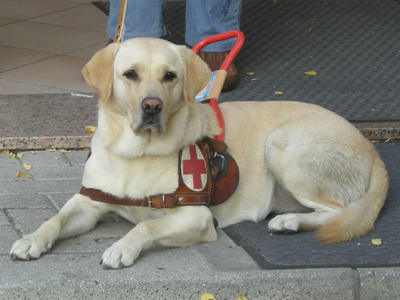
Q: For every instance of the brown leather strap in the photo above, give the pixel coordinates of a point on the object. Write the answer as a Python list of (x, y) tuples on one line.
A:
[(160, 201), (215, 145)]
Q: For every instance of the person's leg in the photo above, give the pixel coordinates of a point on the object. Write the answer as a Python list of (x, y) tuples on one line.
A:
[(209, 17), (143, 18)]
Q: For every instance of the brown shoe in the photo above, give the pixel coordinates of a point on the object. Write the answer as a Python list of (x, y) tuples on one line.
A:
[(214, 60)]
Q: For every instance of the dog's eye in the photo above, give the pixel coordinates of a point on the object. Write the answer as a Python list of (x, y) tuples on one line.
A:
[(131, 74), (169, 76)]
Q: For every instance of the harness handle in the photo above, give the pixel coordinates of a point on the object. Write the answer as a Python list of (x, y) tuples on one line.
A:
[(214, 88)]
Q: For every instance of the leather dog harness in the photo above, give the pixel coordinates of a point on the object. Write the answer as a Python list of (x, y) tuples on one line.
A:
[(208, 175)]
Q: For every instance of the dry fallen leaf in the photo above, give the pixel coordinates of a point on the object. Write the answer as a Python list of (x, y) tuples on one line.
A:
[(376, 242), (241, 298), (250, 73), (278, 93), (254, 79), (64, 151), (90, 128), (12, 155), (19, 155), (23, 175), (27, 167), (207, 296), (51, 150), (389, 140), (311, 73), (4, 151)]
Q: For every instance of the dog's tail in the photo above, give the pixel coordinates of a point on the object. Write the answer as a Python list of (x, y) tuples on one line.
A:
[(359, 217)]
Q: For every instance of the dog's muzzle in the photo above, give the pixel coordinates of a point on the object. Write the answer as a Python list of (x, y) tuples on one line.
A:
[(150, 118)]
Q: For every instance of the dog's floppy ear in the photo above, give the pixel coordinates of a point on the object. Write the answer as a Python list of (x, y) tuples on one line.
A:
[(98, 72), (196, 74)]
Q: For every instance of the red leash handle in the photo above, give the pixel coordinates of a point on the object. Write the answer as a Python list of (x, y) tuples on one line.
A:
[(214, 104), (221, 75), (221, 37)]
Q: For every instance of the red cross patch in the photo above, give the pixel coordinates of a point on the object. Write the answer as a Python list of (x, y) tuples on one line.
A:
[(193, 168)]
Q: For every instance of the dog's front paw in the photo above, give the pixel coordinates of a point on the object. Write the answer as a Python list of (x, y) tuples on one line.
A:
[(30, 247), (119, 255), (287, 223)]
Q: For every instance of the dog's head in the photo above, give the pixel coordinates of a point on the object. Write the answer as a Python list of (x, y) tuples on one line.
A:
[(146, 80)]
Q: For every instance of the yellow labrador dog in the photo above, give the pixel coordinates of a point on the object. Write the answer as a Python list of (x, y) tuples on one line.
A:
[(301, 161)]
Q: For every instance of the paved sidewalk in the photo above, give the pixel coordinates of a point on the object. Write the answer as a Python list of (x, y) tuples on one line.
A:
[(72, 270)]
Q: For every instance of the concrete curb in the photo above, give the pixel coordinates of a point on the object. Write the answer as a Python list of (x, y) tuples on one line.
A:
[(79, 277)]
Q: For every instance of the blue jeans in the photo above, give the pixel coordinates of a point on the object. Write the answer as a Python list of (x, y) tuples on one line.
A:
[(144, 18)]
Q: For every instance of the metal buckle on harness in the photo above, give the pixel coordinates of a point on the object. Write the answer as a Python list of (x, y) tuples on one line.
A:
[(217, 164), (150, 202)]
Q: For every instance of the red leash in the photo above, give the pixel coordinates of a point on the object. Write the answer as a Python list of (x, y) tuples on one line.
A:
[(214, 88)]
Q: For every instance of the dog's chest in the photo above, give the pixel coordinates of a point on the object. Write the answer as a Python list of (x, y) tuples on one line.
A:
[(136, 178)]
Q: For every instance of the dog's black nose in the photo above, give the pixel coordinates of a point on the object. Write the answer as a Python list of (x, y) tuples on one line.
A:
[(152, 106)]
